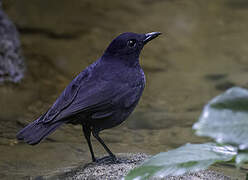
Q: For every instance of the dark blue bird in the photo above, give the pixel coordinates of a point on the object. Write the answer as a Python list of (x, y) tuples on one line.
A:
[(100, 97)]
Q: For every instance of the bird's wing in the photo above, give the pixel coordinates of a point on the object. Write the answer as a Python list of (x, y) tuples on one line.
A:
[(65, 99), (101, 100), (92, 96), (95, 98)]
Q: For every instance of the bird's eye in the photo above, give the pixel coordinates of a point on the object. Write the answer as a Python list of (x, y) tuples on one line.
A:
[(131, 43)]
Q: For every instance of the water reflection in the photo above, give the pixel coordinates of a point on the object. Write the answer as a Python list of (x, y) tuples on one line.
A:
[(203, 52)]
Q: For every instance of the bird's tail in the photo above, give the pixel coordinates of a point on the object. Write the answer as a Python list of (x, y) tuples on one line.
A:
[(36, 131)]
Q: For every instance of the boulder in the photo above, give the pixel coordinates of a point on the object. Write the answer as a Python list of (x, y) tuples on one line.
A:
[(11, 60)]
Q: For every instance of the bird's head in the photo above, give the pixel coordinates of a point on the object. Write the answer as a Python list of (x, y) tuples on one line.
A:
[(128, 45)]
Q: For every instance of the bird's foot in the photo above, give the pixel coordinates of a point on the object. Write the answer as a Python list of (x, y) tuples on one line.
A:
[(107, 160)]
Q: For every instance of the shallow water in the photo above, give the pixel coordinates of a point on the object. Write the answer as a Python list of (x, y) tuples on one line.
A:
[(203, 51)]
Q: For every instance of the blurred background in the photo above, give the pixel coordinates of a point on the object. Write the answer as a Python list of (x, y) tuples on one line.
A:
[(203, 51)]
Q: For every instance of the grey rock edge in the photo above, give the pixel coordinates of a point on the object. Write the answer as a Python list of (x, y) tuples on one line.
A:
[(11, 61), (128, 161)]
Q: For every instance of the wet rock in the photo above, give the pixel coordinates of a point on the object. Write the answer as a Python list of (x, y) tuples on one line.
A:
[(224, 85), (215, 77), (104, 170), (237, 4), (11, 61)]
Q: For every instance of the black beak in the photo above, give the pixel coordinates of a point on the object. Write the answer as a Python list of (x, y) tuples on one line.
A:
[(150, 36)]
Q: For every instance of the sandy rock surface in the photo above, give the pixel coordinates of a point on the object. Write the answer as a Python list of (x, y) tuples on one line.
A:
[(126, 162)]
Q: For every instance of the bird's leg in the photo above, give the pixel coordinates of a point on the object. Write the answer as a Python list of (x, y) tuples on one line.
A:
[(111, 155), (87, 133)]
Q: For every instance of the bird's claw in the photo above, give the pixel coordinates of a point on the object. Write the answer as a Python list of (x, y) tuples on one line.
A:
[(107, 160)]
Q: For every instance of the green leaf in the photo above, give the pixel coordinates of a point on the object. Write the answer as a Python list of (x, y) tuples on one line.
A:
[(241, 158), (238, 104), (144, 173), (225, 118), (187, 158)]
